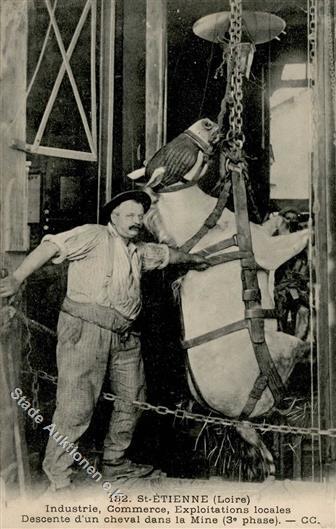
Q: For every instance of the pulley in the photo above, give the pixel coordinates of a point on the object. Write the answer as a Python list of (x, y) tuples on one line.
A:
[(257, 28)]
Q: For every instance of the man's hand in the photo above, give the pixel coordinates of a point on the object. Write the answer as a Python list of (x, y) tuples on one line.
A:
[(38, 257), (198, 262), (192, 260), (9, 286)]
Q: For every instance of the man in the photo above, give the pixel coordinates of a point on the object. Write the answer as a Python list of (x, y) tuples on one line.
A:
[(95, 327), (291, 291)]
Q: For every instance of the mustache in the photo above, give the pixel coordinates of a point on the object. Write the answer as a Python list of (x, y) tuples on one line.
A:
[(137, 226)]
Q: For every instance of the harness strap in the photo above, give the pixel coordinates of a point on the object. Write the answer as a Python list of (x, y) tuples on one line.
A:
[(254, 313), (259, 312), (248, 264), (251, 294), (270, 374), (211, 220), (233, 327), (226, 257), (203, 145), (183, 184), (213, 335), (222, 245), (259, 387)]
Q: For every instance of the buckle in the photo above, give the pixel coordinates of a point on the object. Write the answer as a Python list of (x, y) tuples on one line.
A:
[(249, 263), (251, 294)]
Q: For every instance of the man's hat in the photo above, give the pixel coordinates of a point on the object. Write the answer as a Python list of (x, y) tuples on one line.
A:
[(138, 196), (289, 209)]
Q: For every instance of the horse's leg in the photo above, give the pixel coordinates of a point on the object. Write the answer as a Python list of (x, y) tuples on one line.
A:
[(249, 434)]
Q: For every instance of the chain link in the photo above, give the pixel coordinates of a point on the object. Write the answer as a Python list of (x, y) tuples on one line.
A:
[(236, 80), (331, 58), (312, 12), (35, 393), (184, 414), (181, 414)]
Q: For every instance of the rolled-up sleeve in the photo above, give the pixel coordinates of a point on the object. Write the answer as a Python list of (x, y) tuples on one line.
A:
[(76, 243), (153, 256)]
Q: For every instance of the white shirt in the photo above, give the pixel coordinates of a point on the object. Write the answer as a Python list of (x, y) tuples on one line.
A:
[(103, 269)]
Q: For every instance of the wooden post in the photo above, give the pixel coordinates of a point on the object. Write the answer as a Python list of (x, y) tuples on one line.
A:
[(14, 229), (106, 97), (133, 97), (325, 222), (14, 181), (156, 76)]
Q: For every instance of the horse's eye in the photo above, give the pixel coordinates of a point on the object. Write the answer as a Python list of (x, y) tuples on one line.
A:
[(207, 124)]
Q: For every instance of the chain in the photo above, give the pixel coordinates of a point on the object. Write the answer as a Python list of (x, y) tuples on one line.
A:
[(42, 375), (331, 56), (236, 81), (208, 419), (264, 427), (312, 12), (35, 387), (35, 324), (35, 393)]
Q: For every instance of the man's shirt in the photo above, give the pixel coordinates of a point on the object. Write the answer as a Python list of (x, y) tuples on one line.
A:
[(103, 269)]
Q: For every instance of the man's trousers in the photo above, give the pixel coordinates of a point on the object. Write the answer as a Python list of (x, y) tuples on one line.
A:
[(85, 351)]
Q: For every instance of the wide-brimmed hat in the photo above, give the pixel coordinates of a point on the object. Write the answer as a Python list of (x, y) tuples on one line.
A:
[(138, 196)]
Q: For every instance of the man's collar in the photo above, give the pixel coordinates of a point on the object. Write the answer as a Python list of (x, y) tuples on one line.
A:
[(129, 244)]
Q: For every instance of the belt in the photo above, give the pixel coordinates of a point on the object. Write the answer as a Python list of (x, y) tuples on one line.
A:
[(105, 317)]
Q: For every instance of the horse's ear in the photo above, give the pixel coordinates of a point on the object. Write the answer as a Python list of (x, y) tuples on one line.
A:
[(156, 177), (138, 173)]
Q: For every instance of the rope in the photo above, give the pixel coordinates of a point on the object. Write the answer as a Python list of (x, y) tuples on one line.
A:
[(206, 81), (312, 71), (29, 322)]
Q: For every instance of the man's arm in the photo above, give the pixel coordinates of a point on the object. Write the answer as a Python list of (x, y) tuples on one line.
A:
[(193, 260), (37, 258), (160, 255)]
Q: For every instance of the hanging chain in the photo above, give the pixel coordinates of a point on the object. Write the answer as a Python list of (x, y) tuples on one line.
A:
[(35, 393), (312, 12), (331, 57), (236, 81), (35, 387)]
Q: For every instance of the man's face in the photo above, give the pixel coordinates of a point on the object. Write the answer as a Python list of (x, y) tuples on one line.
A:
[(127, 219), (290, 223)]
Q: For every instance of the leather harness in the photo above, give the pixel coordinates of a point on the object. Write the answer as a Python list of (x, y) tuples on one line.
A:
[(254, 320)]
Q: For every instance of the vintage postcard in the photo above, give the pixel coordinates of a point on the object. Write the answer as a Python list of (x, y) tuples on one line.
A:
[(168, 264)]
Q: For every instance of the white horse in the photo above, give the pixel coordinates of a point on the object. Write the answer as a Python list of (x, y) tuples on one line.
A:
[(225, 369)]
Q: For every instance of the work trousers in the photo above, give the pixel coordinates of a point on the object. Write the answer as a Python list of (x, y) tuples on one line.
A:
[(84, 352)]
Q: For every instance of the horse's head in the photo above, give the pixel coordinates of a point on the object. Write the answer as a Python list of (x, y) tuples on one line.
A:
[(205, 131), (184, 159), (177, 166)]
